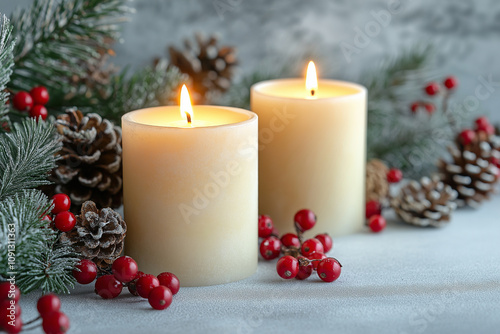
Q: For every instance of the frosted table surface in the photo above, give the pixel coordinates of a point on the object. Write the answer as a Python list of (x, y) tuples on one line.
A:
[(404, 280)]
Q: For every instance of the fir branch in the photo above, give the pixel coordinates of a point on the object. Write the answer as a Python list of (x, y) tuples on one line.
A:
[(6, 63), (56, 36), (27, 156)]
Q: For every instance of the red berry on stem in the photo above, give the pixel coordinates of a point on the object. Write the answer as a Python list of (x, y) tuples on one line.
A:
[(394, 175), (329, 269), (266, 226), (40, 95), (270, 248), (62, 202), (326, 241), (304, 270), (373, 208), (305, 220), (125, 269), (290, 240), (170, 281), (38, 111), (377, 223), (450, 82), (65, 221), (310, 246), (432, 88), (160, 297), (85, 271), (414, 106), (131, 285), (430, 108), (316, 256), (47, 304), (22, 101), (467, 136), (108, 287), (145, 284), (287, 267), (9, 292), (55, 323)]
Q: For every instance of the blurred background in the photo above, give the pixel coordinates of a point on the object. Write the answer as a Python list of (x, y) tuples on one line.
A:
[(265, 34)]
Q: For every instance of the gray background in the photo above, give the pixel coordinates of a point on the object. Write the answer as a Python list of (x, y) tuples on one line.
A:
[(270, 33)]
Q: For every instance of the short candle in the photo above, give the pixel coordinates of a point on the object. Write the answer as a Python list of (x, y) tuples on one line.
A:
[(312, 154), (190, 192)]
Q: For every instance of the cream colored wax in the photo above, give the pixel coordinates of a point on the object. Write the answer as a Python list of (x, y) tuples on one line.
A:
[(190, 193), (312, 153)]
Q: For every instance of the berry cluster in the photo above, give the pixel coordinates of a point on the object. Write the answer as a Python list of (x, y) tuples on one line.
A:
[(125, 272), (467, 136), (60, 217), (300, 258), (53, 320), (433, 89), (33, 102), (373, 211)]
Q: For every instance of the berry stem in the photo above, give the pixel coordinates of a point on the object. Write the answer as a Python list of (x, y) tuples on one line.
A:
[(32, 321)]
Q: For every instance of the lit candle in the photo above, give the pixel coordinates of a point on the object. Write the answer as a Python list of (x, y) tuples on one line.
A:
[(190, 191), (312, 138)]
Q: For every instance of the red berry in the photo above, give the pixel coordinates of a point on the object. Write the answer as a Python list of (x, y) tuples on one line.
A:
[(414, 106), (62, 202), (316, 256), (450, 82), (430, 108), (47, 219), (40, 95), (377, 223), (38, 111), (145, 284), (85, 271), (47, 304), (160, 297), (432, 88), (305, 220), (125, 269), (394, 175), (65, 221), (287, 267), (329, 269), (326, 241), (131, 285), (55, 323), (467, 137), (22, 101), (488, 128), (9, 311), (290, 240), (16, 328), (304, 270), (170, 281), (373, 208), (310, 246), (270, 248), (482, 122), (266, 226), (9, 292), (495, 161), (108, 287)]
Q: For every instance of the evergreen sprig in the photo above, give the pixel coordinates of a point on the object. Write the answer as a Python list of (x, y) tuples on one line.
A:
[(6, 64)]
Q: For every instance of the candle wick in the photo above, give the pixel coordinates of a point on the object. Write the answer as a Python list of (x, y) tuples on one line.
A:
[(312, 92), (188, 118)]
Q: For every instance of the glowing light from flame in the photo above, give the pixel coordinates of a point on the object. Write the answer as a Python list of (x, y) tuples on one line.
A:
[(186, 107), (311, 79)]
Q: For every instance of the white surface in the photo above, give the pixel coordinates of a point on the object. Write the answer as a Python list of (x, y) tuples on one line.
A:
[(404, 280)]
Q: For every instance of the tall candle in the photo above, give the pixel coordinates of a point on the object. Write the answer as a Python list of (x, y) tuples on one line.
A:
[(312, 151), (190, 192)]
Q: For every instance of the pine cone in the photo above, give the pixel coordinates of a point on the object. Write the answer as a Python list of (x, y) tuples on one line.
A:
[(209, 66), (98, 235), (471, 173), (428, 203), (90, 163), (377, 186)]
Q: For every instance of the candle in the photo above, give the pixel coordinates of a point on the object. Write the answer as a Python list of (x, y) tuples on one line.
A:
[(312, 143), (190, 192)]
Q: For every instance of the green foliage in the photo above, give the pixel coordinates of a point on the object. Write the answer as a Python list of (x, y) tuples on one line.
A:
[(6, 63)]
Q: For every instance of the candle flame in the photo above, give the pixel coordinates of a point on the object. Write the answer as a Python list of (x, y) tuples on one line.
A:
[(311, 79), (186, 107)]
